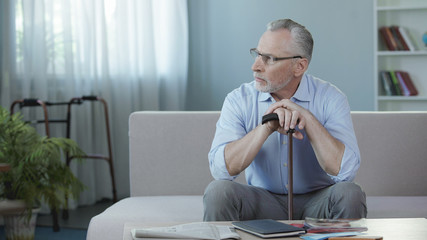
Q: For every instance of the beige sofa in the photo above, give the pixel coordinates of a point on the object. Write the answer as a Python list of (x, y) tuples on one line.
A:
[(169, 168)]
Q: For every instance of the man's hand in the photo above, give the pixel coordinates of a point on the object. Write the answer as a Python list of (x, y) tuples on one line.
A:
[(291, 116), (328, 150)]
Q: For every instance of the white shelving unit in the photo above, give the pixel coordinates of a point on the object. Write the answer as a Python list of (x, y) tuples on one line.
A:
[(412, 15)]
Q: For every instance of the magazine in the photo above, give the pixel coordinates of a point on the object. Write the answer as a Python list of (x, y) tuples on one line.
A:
[(317, 225), (201, 230)]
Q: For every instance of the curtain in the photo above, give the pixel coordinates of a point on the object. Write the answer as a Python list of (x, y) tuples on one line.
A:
[(134, 54)]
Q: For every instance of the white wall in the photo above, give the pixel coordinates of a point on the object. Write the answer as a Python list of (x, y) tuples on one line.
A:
[(223, 31)]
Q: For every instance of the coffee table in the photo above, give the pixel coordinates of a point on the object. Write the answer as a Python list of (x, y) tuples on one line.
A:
[(388, 228)]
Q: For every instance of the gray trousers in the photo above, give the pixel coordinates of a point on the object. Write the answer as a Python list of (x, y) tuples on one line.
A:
[(231, 201)]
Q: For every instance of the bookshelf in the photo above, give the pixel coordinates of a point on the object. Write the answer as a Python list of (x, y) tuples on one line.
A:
[(411, 15)]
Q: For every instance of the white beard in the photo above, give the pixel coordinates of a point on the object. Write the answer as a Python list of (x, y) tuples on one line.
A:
[(269, 88)]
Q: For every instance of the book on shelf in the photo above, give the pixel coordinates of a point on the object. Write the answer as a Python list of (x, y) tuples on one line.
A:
[(319, 225), (403, 85), (397, 83), (407, 83), (407, 39), (390, 85), (396, 38), (387, 83), (268, 228), (401, 42), (388, 38)]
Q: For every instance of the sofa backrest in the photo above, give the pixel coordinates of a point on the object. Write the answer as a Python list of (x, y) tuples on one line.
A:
[(168, 152), (393, 149)]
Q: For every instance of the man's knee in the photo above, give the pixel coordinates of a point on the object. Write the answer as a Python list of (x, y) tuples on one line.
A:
[(219, 193), (349, 200), (219, 200), (349, 191)]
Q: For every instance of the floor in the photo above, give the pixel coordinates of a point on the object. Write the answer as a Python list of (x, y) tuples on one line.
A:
[(78, 218)]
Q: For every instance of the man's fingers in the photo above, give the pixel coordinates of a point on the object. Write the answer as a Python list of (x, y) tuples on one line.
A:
[(301, 123), (298, 135), (294, 119), (281, 104), (281, 114), (289, 116)]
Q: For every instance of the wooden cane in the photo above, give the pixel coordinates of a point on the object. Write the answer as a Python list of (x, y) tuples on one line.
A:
[(270, 117), (290, 176)]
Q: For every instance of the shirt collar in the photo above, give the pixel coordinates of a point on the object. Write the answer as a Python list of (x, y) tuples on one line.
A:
[(264, 97), (302, 94)]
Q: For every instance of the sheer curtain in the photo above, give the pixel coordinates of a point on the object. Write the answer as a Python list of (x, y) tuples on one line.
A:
[(134, 54)]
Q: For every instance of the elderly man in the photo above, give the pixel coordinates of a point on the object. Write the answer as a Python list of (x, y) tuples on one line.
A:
[(326, 154)]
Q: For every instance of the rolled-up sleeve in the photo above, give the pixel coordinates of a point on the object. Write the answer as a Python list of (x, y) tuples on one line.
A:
[(339, 124), (229, 128)]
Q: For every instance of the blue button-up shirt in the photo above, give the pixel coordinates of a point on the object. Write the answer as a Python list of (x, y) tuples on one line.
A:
[(242, 112)]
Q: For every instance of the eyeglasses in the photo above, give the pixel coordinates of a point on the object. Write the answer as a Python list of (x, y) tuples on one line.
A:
[(267, 58)]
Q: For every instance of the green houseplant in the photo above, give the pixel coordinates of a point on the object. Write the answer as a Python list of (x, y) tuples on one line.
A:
[(37, 173)]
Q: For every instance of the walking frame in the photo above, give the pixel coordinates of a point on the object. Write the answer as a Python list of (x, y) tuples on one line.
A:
[(46, 121)]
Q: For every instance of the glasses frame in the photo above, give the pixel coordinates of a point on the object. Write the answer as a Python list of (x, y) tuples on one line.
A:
[(266, 57)]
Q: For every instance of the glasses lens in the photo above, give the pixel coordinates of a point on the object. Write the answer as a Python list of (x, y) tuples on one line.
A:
[(267, 59), (254, 53)]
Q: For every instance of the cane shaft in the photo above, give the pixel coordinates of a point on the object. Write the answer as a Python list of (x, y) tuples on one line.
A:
[(271, 117), (290, 176)]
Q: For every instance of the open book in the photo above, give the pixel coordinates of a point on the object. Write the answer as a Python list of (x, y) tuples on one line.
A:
[(201, 230)]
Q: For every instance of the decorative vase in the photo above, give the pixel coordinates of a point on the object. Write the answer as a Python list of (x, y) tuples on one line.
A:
[(17, 226)]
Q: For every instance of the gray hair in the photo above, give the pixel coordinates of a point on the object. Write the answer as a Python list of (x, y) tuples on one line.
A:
[(303, 41)]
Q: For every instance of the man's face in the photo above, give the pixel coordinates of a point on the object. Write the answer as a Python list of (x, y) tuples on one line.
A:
[(273, 77)]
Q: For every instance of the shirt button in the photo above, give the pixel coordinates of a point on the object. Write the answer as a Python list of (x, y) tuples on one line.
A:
[(284, 142), (287, 186), (285, 165)]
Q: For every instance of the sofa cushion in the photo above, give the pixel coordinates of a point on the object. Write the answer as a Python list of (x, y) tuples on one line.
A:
[(157, 209), (397, 206), (151, 209)]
